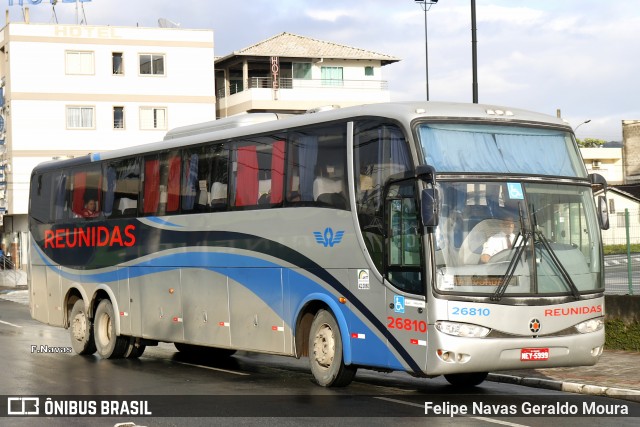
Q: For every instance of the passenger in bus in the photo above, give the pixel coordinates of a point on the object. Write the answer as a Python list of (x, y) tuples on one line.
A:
[(90, 209), (502, 240)]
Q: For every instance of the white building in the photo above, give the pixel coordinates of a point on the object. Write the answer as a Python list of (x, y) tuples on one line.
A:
[(69, 90), (606, 162), (289, 73)]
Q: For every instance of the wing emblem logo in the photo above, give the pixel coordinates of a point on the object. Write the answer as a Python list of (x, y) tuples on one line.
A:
[(328, 238)]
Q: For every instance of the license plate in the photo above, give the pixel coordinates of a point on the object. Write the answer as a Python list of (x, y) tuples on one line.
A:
[(533, 354)]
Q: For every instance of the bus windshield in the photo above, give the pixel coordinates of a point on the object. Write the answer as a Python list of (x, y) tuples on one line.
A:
[(494, 149), (513, 238)]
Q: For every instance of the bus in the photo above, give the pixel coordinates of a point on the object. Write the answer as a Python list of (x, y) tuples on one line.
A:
[(354, 237)]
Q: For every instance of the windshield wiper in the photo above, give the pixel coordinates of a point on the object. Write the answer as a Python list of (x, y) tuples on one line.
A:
[(511, 269), (563, 271)]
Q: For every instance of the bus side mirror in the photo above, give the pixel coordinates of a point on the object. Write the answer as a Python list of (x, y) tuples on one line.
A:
[(426, 173), (599, 181), (603, 213), (430, 208)]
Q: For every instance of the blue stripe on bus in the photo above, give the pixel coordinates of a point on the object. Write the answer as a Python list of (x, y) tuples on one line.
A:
[(253, 273), (161, 221)]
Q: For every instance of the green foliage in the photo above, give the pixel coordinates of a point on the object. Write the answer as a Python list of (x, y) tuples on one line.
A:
[(620, 249), (622, 336), (590, 142)]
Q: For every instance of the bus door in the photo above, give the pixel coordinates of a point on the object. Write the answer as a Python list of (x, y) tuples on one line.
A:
[(406, 305)]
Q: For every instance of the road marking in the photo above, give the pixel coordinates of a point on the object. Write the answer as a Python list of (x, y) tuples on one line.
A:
[(10, 324), (402, 402), (488, 420), (213, 369)]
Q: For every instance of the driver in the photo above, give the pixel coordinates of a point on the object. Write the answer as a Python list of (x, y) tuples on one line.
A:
[(500, 241)]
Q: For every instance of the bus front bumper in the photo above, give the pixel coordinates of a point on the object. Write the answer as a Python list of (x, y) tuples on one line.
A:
[(451, 355)]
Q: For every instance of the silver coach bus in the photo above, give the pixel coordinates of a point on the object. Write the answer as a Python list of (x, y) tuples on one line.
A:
[(355, 237)]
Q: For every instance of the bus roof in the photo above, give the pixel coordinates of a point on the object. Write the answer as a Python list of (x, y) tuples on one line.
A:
[(259, 123)]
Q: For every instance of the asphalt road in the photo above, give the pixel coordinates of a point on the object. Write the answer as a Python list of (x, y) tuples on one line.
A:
[(617, 274), (248, 389)]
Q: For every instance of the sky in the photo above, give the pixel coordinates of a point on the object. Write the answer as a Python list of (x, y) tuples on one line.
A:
[(577, 56)]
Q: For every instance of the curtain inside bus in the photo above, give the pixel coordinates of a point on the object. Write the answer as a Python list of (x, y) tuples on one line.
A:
[(307, 157), (500, 149), (173, 185), (247, 178), (277, 172)]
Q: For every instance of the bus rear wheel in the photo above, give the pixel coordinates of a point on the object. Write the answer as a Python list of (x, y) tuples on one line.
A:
[(466, 380), (81, 330), (325, 352), (108, 344)]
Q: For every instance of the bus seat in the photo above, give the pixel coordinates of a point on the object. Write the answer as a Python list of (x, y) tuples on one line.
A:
[(333, 199), (323, 185), (474, 214), (471, 248), (125, 204), (218, 191)]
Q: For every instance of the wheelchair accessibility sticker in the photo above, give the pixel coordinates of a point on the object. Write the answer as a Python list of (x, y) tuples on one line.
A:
[(515, 191), (398, 303)]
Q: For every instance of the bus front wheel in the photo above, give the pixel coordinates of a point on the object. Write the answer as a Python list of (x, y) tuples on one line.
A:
[(81, 330), (466, 380), (108, 345), (325, 352)]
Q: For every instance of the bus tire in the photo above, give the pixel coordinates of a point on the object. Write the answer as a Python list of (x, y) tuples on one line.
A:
[(108, 345), (81, 330), (134, 348), (325, 352), (466, 380)]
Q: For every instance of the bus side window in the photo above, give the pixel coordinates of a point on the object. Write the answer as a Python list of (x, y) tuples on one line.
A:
[(259, 172), (161, 186), (205, 178), (47, 198), (85, 194), (317, 167), (125, 190)]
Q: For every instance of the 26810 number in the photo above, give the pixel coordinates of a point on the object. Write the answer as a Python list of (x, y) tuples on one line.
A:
[(406, 324), (465, 311)]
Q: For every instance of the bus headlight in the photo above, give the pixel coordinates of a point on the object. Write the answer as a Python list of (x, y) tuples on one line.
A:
[(462, 329), (590, 325)]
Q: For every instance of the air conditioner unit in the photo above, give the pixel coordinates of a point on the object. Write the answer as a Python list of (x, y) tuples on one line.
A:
[(597, 164)]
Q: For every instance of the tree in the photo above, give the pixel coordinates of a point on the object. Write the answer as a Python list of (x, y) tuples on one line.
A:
[(590, 142)]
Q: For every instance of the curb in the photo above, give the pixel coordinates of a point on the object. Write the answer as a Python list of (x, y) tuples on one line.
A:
[(568, 387)]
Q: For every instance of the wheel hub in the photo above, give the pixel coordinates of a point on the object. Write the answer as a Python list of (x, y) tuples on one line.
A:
[(324, 346), (79, 326)]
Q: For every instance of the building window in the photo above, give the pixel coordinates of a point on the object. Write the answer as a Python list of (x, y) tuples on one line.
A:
[(368, 71), (80, 117), (152, 64), (612, 206), (332, 76), (152, 118), (301, 70), (118, 117), (79, 62), (117, 63)]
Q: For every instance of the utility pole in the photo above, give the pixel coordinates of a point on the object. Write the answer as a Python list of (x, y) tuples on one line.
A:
[(474, 52)]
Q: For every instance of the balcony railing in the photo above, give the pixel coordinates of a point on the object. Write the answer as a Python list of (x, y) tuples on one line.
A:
[(288, 83)]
